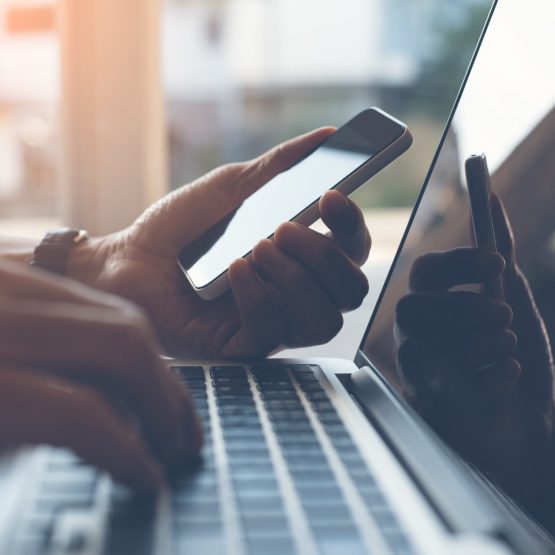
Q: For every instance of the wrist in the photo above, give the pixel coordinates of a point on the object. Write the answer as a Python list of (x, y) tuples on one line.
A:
[(87, 260)]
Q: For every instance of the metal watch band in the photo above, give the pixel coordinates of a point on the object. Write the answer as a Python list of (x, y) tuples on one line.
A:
[(52, 252)]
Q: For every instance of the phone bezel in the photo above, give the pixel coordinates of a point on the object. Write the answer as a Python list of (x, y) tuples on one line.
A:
[(478, 184)]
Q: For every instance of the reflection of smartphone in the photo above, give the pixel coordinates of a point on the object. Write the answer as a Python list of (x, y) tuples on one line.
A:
[(344, 161), (479, 191)]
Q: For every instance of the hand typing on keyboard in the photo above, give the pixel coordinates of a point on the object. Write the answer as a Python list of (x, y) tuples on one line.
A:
[(480, 371), (293, 294), (80, 368)]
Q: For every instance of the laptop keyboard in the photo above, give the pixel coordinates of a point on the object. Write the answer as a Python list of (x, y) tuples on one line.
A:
[(273, 479)]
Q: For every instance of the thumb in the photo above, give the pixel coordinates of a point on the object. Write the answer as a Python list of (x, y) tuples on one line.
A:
[(183, 215)]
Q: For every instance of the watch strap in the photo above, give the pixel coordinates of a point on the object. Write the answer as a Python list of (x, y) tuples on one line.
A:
[(52, 252)]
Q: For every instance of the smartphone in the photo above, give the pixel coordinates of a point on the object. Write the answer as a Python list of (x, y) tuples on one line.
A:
[(344, 161), (479, 192)]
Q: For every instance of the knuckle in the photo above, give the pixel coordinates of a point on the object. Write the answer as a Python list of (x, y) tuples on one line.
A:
[(84, 407), (357, 292), (420, 270), (331, 326), (262, 252)]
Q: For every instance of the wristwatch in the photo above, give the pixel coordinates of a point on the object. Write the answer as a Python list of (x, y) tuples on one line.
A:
[(52, 252)]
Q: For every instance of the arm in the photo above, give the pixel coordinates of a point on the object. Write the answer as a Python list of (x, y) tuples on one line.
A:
[(292, 293), (18, 249)]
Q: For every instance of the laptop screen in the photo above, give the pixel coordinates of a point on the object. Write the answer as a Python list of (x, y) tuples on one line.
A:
[(434, 336)]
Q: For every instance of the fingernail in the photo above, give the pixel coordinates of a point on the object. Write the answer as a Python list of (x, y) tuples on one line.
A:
[(343, 198), (493, 263)]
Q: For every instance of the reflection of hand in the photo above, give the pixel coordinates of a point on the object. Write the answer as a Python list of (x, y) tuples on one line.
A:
[(291, 293), (489, 397), (80, 369)]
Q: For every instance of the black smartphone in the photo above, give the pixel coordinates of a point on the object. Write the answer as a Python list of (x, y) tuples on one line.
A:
[(479, 192)]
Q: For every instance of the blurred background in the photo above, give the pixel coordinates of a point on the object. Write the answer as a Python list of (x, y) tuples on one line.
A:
[(104, 105)]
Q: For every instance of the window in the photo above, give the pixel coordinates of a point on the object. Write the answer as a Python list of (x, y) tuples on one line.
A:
[(29, 103)]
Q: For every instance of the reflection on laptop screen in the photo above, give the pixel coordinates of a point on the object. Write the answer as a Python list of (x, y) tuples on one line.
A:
[(456, 363)]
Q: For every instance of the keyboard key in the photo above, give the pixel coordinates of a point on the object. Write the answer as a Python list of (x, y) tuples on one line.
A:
[(264, 524), (334, 531), (259, 472), (236, 426), (279, 394), (305, 439), (261, 483), (251, 434), (219, 381), (329, 512), (246, 450), (268, 370), (342, 546), (273, 380), (189, 371), (194, 542), (311, 385), (306, 475), (260, 504), (296, 456), (233, 390), (292, 427), (279, 415), (303, 369), (283, 404), (276, 386), (231, 410), (314, 396), (228, 372), (271, 545), (259, 465), (319, 491), (322, 406)]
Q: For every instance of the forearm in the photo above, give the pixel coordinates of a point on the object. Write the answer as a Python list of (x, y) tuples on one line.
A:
[(17, 249)]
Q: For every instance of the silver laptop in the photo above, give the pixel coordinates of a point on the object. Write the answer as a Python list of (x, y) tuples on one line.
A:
[(305, 456)]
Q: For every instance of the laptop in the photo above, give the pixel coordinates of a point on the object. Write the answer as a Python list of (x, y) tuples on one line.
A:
[(307, 456)]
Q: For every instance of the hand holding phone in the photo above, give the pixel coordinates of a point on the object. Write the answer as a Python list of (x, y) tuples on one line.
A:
[(344, 161), (479, 191)]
